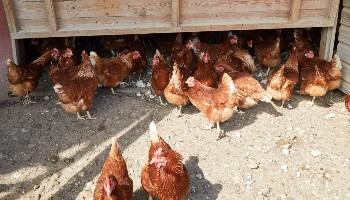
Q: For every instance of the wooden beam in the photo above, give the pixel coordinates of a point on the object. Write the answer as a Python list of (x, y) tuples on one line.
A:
[(175, 12), (51, 15), (10, 15), (294, 10), (168, 28)]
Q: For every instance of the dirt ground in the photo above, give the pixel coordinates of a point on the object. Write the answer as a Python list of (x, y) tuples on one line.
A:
[(299, 152)]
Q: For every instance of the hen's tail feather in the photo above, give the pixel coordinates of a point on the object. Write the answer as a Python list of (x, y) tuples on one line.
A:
[(93, 54), (336, 61), (153, 132), (115, 147)]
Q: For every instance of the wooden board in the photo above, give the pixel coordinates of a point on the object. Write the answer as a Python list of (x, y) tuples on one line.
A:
[(30, 16), (344, 34), (90, 15)]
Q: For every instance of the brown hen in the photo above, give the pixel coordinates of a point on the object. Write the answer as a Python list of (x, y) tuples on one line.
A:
[(114, 182), (327, 74), (213, 49), (268, 51), (205, 72), (160, 75), (76, 91), (174, 93), (282, 82), (164, 176), (249, 90), (63, 65), (24, 79), (183, 56), (112, 71), (216, 104)]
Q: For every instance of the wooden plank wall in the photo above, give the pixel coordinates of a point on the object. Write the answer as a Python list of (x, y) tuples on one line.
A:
[(343, 48), (61, 18)]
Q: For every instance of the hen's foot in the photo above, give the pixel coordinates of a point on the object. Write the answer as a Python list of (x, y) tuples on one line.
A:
[(79, 116), (123, 84), (27, 101), (161, 102), (113, 91), (221, 134), (89, 115), (206, 127), (312, 102)]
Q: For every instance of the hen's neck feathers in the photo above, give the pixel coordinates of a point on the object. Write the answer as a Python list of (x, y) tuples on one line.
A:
[(85, 70), (176, 78), (43, 59), (128, 60), (292, 62)]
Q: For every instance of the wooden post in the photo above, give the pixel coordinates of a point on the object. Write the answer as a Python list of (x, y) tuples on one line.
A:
[(5, 52), (51, 15), (328, 33), (175, 12), (18, 53), (10, 15), (294, 10)]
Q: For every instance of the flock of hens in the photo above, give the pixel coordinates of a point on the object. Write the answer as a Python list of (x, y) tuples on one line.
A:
[(215, 78)]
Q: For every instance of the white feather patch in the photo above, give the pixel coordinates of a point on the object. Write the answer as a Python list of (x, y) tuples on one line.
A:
[(57, 88), (153, 132), (93, 61)]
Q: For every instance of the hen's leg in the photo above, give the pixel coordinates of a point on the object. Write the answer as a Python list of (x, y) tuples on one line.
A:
[(112, 52), (161, 101), (313, 101), (268, 71), (150, 198), (89, 115), (112, 90), (221, 133), (180, 114), (79, 116), (282, 104), (140, 76)]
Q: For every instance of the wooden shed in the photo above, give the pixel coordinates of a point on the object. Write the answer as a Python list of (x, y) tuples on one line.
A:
[(343, 48), (61, 18)]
